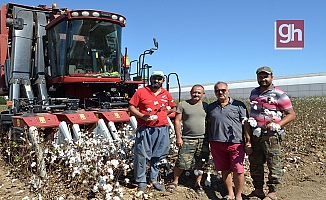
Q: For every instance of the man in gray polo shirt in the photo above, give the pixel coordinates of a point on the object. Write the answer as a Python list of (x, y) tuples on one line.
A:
[(227, 118)]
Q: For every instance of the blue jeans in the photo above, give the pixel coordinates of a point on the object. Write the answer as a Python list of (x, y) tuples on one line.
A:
[(152, 143)]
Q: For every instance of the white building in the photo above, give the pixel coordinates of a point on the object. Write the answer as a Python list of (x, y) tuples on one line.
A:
[(294, 86)]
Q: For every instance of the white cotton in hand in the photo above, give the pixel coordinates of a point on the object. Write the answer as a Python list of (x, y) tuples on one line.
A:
[(244, 120), (257, 132), (252, 122), (274, 127), (153, 117)]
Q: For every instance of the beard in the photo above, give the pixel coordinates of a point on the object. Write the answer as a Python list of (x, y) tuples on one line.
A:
[(264, 83), (156, 85)]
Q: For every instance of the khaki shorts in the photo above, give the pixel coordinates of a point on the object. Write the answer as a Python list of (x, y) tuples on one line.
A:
[(191, 149)]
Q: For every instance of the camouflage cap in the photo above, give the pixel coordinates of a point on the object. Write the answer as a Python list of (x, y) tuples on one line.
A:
[(266, 69)]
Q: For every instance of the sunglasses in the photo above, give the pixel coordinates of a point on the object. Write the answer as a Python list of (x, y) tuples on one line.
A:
[(221, 90)]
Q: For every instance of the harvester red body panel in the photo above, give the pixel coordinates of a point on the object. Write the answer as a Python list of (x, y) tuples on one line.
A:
[(113, 116), (78, 117), (39, 120)]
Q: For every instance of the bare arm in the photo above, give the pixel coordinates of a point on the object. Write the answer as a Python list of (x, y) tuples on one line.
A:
[(247, 137), (177, 127), (208, 129), (134, 111), (289, 116)]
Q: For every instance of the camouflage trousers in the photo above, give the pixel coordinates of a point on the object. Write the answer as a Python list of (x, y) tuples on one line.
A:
[(266, 148), (193, 149)]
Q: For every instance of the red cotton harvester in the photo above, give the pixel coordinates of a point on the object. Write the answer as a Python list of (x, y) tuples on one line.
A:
[(63, 72)]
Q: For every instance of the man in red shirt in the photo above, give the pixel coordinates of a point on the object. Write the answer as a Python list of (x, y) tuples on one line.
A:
[(152, 136)]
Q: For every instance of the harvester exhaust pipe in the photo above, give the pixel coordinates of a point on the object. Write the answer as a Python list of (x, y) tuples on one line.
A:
[(35, 139)]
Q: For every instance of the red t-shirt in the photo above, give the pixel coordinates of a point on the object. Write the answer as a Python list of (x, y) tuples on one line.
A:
[(150, 104)]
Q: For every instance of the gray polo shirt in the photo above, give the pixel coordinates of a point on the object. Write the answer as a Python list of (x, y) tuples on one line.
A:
[(226, 122)]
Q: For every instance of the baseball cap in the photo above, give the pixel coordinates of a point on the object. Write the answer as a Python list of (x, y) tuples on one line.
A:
[(266, 69), (158, 73)]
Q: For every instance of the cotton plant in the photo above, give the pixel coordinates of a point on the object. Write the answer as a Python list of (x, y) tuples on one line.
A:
[(93, 162)]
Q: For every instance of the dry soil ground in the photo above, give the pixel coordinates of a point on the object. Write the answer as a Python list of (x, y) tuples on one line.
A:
[(303, 178)]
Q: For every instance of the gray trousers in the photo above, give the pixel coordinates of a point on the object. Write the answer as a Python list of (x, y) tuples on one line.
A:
[(152, 143)]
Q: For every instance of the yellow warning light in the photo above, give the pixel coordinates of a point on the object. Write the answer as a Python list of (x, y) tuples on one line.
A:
[(55, 6)]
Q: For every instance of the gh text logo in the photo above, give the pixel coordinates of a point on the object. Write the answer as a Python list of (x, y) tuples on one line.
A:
[(289, 34)]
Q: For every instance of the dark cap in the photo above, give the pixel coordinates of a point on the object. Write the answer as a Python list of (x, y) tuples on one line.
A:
[(266, 69)]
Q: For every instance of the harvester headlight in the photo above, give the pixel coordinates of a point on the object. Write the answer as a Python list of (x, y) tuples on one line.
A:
[(74, 14), (121, 19), (115, 17), (85, 13), (96, 14), (104, 14)]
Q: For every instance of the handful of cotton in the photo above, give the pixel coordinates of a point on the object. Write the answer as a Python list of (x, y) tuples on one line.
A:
[(252, 122), (257, 132), (274, 127), (153, 117)]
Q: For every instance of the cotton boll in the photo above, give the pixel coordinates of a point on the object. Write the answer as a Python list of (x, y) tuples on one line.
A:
[(139, 193), (208, 179), (257, 132), (116, 198), (153, 117), (275, 127), (95, 189), (33, 164), (252, 122), (244, 120)]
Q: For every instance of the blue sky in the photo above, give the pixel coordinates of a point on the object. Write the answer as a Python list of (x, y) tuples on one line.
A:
[(216, 40)]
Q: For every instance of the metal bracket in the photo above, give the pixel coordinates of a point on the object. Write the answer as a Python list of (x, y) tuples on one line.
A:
[(19, 23)]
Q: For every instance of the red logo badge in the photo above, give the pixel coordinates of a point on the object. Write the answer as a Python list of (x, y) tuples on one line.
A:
[(289, 34)]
